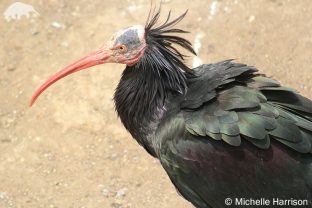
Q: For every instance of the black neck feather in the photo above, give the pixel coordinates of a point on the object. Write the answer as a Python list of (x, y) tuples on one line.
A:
[(161, 72)]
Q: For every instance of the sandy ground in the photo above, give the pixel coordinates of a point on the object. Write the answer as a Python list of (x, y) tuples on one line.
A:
[(70, 149)]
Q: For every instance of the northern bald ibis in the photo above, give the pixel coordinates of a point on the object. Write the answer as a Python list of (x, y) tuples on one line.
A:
[(220, 130)]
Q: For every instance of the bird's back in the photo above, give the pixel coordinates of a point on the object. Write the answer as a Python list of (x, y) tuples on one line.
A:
[(238, 135)]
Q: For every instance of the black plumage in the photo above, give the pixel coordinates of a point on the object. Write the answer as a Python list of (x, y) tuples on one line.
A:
[(219, 130)]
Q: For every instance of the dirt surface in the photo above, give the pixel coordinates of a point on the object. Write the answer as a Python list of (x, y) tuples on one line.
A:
[(70, 149)]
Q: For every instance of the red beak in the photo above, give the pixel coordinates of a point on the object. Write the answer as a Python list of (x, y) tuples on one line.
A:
[(99, 56)]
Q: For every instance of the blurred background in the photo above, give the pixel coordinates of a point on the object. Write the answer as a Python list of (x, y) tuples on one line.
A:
[(70, 149)]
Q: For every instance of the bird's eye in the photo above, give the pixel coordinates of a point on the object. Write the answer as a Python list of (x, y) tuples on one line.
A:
[(122, 49)]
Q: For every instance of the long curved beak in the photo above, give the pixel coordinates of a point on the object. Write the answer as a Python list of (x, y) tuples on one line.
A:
[(100, 56)]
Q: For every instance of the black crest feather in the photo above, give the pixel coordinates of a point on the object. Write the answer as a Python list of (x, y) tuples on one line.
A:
[(161, 58), (161, 37)]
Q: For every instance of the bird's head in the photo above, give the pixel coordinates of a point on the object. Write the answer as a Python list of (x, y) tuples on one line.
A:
[(131, 46), (125, 47)]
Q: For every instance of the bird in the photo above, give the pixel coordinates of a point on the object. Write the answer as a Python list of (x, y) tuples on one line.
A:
[(224, 132)]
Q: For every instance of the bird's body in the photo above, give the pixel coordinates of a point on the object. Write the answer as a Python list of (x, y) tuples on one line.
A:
[(220, 130), (234, 134)]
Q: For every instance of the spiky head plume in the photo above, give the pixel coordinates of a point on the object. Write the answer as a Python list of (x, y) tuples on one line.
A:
[(161, 39)]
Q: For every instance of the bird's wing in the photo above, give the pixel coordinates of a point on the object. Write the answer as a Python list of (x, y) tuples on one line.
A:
[(242, 106), (210, 77), (246, 139)]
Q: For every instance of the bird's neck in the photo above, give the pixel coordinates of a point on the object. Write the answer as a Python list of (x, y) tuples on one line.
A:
[(141, 95)]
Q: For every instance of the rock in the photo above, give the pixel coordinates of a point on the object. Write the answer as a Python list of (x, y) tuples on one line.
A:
[(64, 44), (105, 192), (116, 205), (114, 156), (58, 25), (121, 193), (16, 10), (251, 18), (34, 32), (3, 195)]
